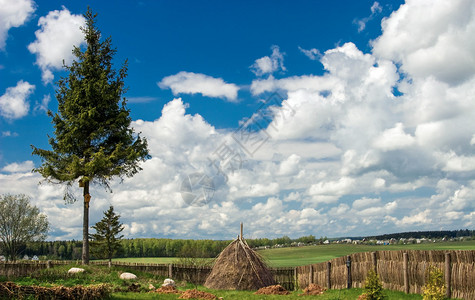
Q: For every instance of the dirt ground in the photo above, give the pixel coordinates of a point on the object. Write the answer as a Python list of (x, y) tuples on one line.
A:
[(195, 294), (272, 290)]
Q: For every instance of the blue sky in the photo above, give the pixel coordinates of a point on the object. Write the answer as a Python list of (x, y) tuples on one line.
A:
[(364, 112)]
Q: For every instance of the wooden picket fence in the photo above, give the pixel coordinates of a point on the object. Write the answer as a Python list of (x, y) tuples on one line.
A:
[(404, 271)]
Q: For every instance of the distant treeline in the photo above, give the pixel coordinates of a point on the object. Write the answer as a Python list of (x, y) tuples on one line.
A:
[(425, 234), (152, 247)]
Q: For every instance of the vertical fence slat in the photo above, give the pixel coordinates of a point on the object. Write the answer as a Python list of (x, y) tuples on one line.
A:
[(375, 261), (405, 269), (448, 274), (310, 275), (348, 266)]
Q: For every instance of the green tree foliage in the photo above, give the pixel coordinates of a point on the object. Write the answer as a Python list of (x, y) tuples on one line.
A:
[(373, 289), (194, 254), (106, 240), (426, 234), (153, 247), (434, 289), (93, 140), (20, 222)]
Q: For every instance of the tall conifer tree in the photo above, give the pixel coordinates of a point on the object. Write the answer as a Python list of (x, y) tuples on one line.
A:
[(106, 240), (93, 139)]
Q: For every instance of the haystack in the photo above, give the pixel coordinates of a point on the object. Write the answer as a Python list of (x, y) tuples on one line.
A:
[(238, 267)]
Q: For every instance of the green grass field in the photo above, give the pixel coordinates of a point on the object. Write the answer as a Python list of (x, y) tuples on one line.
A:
[(147, 260), (300, 256)]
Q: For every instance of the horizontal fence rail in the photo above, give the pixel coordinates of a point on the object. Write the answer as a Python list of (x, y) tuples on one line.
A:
[(404, 271)]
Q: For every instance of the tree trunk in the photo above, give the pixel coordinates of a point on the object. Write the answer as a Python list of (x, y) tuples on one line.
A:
[(109, 254), (85, 226)]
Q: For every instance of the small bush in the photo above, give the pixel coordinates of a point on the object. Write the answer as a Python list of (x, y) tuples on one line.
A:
[(373, 287), (434, 288)]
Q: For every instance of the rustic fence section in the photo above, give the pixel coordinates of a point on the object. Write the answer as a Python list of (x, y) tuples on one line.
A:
[(398, 270), (404, 271), (197, 275)]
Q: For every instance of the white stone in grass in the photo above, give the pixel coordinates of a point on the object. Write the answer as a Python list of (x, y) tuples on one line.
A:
[(75, 270), (128, 276), (168, 282)]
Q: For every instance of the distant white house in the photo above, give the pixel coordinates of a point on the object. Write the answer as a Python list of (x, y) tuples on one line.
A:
[(2, 258), (35, 257), (26, 257), (326, 242)]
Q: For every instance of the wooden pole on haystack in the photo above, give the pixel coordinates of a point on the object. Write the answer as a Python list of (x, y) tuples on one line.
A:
[(241, 230)]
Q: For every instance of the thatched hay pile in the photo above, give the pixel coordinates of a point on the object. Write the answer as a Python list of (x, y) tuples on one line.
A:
[(238, 267)]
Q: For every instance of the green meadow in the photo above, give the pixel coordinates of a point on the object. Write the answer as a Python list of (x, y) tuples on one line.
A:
[(300, 256)]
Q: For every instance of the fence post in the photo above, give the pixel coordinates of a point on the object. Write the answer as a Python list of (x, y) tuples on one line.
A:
[(348, 266), (310, 275), (329, 272), (48, 264), (295, 279), (448, 274), (375, 261), (170, 271), (405, 269)]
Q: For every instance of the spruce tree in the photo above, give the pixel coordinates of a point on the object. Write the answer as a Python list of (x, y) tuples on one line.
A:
[(93, 141), (106, 240)]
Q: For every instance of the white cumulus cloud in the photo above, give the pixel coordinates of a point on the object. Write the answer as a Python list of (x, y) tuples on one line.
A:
[(13, 13), (269, 64), (197, 83), (59, 32), (431, 38), (14, 104), (372, 137), (22, 167), (394, 138)]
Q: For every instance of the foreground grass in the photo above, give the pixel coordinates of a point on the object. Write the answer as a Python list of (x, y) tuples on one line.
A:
[(328, 295), (300, 256), (91, 276), (147, 260)]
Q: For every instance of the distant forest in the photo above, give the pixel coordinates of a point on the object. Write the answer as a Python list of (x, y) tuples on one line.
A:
[(425, 234), (153, 247)]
